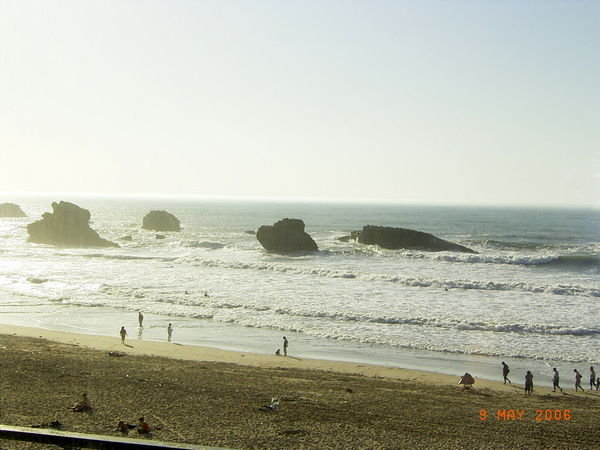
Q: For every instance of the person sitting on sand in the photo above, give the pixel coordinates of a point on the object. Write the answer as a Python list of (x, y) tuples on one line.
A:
[(83, 405), (467, 380), (143, 427), (278, 352)]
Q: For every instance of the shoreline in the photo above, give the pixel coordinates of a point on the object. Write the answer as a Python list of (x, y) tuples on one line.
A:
[(184, 352), (249, 340)]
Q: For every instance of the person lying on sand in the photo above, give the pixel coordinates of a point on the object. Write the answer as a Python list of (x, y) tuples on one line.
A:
[(272, 407), (83, 405), (124, 427)]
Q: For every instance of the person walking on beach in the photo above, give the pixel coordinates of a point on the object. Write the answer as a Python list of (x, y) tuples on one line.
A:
[(529, 382), (505, 371), (170, 332), (141, 319), (592, 378), (577, 380), (123, 333), (555, 379), (285, 346)]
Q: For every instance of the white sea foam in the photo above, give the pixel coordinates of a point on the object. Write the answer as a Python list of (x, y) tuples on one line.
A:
[(531, 292)]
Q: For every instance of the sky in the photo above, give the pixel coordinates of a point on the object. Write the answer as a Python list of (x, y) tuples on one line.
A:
[(447, 102)]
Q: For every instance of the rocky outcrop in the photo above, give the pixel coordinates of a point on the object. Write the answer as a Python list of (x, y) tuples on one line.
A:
[(68, 225), (402, 238), (161, 221), (286, 236), (11, 210)]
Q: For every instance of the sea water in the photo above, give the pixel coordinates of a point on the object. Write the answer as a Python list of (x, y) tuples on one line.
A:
[(531, 296)]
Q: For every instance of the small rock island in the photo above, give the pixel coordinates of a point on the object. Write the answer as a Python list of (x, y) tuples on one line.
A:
[(161, 221), (68, 226), (402, 238), (286, 236), (11, 210)]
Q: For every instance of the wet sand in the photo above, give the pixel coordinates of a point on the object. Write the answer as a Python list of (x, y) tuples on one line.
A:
[(212, 397)]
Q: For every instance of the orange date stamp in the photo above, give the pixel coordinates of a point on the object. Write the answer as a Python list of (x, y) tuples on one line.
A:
[(538, 415)]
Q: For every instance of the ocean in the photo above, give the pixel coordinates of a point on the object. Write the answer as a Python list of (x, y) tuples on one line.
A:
[(530, 297)]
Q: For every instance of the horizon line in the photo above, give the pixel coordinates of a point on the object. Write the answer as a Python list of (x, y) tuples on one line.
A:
[(298, 199)]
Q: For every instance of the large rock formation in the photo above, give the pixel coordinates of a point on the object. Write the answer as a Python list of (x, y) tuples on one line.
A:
[(286, 236), (160, 221), (399, 238), (11, 210), (68, 225)]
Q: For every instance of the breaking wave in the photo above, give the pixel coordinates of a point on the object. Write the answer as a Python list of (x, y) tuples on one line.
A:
[(557, 289), (574, 261)]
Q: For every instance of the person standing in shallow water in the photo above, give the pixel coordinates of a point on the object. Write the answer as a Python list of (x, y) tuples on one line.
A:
[(141, 319), (555, 380), (285, 346), (528, 382), (505, 371), (592, 378), (170, 332), (123, 333)]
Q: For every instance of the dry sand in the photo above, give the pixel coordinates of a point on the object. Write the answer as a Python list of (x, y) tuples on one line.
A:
[(212, 397)]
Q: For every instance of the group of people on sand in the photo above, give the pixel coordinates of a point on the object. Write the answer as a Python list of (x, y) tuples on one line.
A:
[(123, 331), (84, 405), (142, 427), (594, 381)]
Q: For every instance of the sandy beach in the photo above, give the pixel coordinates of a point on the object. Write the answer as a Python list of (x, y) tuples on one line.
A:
[(213, 397)]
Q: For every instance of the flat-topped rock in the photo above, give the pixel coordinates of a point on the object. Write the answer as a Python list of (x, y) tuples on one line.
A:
[(403, 238), (11, 210), (161, 221), (68, 226), (286, 236)]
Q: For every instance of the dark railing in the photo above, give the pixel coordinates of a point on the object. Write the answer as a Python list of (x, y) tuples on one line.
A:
[(71, 441)]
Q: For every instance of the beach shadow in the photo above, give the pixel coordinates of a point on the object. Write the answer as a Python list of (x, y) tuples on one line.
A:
[(293, 357), (127, 345)]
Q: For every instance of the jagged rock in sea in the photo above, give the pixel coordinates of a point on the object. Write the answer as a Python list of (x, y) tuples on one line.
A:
[(286, 236), (68, 225), (11, 210), (160, 236), (160, 221), (402, 238)]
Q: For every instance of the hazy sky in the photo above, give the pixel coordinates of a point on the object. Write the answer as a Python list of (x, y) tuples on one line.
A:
[(476, 101)]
